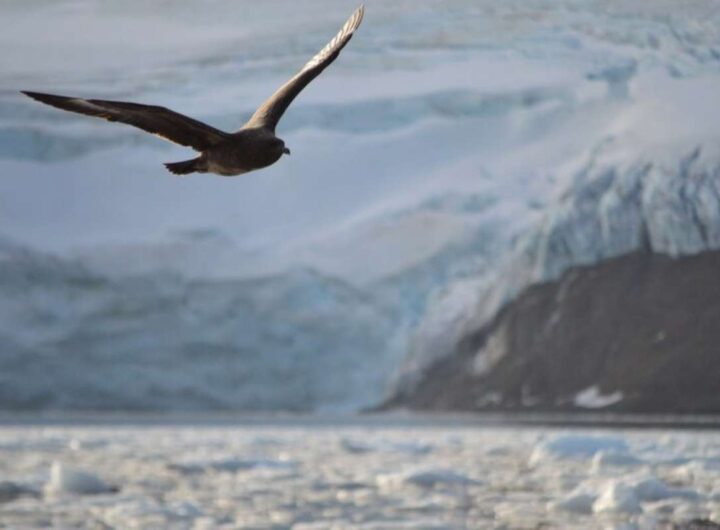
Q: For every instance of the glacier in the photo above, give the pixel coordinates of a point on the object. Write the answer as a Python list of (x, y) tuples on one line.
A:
[(657, 194), (74, 339), (454, 156)]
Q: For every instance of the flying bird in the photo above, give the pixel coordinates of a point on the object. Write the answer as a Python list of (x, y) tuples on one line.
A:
[(253, 146)]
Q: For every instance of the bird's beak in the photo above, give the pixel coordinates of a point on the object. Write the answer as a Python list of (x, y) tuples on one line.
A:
[(286, 150)]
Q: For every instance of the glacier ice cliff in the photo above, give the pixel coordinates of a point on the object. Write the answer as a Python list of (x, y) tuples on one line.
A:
[(454, 159), (74, 339)]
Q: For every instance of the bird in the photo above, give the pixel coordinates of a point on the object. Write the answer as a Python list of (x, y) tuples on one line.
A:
[(253, 146)]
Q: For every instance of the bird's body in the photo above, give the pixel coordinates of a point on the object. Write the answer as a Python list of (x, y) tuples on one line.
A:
[(254, 146), (246, 150)]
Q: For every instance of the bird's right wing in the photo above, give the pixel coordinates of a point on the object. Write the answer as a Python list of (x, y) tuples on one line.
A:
[(270, 112), (160, 121)]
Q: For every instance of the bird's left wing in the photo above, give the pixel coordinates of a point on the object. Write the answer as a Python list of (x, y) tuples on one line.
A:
[(160, 121), (270, 112)]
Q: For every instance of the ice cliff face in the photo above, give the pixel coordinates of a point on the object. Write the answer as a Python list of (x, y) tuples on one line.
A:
[(71, 338)]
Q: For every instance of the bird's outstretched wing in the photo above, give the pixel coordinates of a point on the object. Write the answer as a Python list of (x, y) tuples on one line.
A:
[(160, 121), (270, 112)]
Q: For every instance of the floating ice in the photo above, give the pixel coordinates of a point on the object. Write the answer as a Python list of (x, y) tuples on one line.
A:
[(617, 498), (408, 447), (9, 491), (466, 481), (651, 489), (708, 468), (355, 446), (578, 501), (147, 512), (67, 479), (575, 446), (603, 460), (426, 478), (230, 465)]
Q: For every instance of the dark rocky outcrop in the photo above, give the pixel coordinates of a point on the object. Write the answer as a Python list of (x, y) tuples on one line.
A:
[(644, 325)]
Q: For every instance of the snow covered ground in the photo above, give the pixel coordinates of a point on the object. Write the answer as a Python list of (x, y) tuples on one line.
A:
[(455, 153), (359, 474)]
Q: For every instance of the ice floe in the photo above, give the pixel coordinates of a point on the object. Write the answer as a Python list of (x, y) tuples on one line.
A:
[(576, 446), (427, 478), (68, 479), (617, 497), (353, 476)]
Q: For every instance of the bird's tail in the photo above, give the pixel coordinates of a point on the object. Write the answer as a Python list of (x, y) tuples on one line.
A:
[(184, 167)]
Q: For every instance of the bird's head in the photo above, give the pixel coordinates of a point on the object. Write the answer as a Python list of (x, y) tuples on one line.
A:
[(279, 145)]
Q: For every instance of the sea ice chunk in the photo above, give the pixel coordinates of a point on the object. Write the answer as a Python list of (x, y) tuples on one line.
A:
[(651, 489), (576, 446), (229, 465), (617, 498), (578, 501), (10, 491), (66, 479), (609, 459), (426, 478)]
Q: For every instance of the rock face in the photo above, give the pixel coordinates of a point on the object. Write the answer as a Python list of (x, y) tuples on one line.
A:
[(638, 333)]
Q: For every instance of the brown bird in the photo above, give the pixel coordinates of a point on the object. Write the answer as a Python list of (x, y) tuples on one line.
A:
[(252, 147)]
